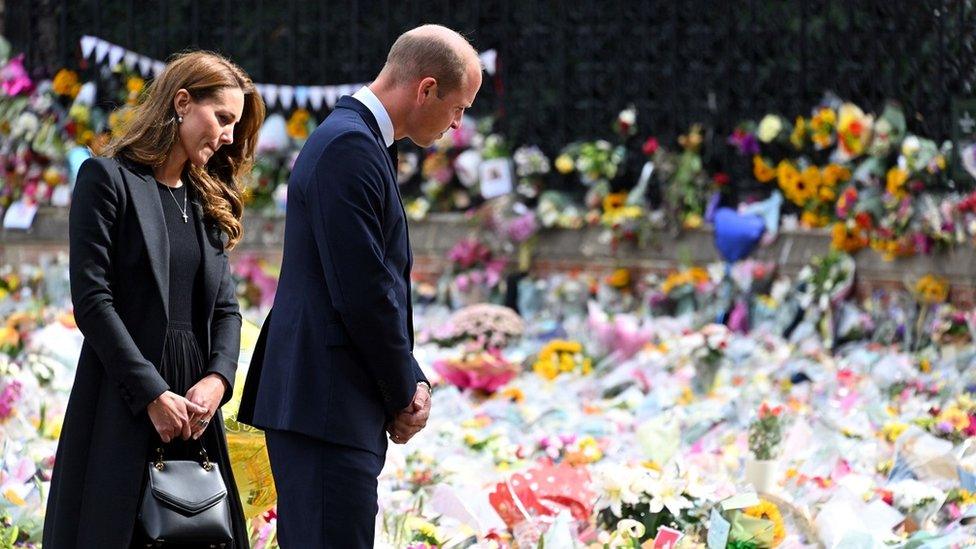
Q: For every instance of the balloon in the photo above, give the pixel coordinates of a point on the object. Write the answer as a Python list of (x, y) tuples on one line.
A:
[(736, 235)]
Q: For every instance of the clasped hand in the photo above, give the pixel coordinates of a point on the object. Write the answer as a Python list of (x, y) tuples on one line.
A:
[(411, 419), (174, 416)]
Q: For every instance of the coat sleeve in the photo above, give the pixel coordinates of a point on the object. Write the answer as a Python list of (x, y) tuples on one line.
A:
[(225, 334), (345, 202), (91, 229)]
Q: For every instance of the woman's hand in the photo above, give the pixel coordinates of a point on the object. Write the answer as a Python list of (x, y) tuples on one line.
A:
[(170, 415), (207, 393)]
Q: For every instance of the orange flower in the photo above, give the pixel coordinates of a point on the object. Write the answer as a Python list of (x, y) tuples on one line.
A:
[(847, 239), (764, 172)]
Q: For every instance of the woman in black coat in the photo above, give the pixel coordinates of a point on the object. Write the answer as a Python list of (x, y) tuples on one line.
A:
[(149, 228)]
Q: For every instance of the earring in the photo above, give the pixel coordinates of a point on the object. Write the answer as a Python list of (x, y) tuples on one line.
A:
[(179, 119)]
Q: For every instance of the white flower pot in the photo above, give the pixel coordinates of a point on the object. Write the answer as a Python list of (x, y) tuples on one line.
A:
[(762, 474)]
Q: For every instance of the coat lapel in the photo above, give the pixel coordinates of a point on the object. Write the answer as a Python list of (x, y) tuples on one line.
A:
[(145, 197), (211, 251)]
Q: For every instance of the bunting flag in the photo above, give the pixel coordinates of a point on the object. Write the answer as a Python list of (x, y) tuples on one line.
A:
[(286, 96)]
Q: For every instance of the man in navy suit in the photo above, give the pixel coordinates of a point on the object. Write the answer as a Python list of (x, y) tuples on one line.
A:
[(338, 371)]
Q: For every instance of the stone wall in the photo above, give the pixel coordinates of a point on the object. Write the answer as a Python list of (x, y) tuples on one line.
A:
[(560, 250)]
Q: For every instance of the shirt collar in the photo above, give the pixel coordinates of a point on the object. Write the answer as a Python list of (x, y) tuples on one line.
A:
[(375, 106)]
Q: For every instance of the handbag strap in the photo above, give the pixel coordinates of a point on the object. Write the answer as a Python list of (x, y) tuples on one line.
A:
[(159, 463)]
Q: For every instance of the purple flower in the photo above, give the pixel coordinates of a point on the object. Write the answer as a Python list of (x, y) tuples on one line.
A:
[(522, 228)]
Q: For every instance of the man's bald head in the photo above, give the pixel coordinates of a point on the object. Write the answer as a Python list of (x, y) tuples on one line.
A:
[(431, 51)]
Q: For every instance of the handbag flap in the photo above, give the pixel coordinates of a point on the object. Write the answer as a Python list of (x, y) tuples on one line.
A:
[(187, 486)]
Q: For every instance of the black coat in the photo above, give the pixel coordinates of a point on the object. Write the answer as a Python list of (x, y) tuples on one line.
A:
[(119, 266)]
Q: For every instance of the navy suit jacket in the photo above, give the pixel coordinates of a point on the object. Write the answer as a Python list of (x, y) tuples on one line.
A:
[(337, 356)]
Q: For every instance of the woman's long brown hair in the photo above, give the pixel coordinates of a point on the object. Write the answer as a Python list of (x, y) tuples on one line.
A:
[(152, 131)]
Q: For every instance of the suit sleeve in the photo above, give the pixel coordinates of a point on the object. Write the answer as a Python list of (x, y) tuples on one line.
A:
[(345, 201), (91, 226), (225, 334)]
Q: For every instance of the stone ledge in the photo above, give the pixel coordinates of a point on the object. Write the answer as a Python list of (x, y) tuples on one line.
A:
[(556, 249)]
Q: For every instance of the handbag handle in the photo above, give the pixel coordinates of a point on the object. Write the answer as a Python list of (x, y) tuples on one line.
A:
[(207, 465)]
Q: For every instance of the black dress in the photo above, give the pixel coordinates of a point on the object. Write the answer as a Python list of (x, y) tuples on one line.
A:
[(183, 363)]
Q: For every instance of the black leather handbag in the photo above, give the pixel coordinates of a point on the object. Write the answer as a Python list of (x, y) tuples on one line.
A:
[(186, 502)]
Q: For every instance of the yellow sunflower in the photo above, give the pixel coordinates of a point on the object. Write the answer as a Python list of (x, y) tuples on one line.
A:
[(895, 183), (766, 510)]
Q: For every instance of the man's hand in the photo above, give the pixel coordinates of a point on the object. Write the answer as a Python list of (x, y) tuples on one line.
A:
[(411, 419)]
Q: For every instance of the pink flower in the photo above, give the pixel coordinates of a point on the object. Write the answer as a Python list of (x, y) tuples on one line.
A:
[(13, 77), (8, 399)]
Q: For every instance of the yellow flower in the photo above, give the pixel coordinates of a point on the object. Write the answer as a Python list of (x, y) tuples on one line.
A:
[(955, 417), (514, 394), (693, 221), (298, 124), (135, 84), (9, 337), (932, 289), (848, 239), (14, 498), (564, 164), (811, 176), (826, 194), (66, 83), (813, 219), (793, 185), (798, 137), (834, 174), (892, 430), (764, 172), (620, 278), (768, 511), (614, 201), (546, 369), (822, 127), (896, 180)]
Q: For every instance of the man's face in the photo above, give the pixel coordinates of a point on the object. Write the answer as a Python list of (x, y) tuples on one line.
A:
[(436, 115)]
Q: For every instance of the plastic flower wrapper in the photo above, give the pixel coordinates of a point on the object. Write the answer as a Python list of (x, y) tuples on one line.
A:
[(889, 130), (479, 370), (620, 335), (531, 165), (854, 132)]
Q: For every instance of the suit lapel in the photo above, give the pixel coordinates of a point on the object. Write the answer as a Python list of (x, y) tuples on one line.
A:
[(145, 197)]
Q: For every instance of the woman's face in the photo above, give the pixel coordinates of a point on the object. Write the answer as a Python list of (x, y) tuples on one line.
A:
[(209, 123)]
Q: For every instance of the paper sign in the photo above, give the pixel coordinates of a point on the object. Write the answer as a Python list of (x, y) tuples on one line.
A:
[(20, 215), (740, 501), (666, 538), (61, 197), (496, 177), (718, 531)]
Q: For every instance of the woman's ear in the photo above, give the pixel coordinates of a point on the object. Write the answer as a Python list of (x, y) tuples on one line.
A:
[(181, 101)]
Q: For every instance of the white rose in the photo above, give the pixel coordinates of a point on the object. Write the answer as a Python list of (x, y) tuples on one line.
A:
[(769, 127)]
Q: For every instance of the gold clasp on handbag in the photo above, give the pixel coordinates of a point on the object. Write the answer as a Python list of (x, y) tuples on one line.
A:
[(158, 464), (207, 466)]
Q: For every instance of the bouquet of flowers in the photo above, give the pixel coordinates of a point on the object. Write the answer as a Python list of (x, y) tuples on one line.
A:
[(766, 432), (483, 325), (257, 281), (956, 421), (477, 369), (681, 287), (562, 356), (709, 345), (649, 495), (475, 272), (531, 166)]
